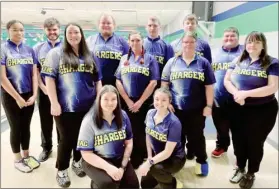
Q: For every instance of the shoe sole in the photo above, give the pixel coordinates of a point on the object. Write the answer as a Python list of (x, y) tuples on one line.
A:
[(24, 171), (219, 155)]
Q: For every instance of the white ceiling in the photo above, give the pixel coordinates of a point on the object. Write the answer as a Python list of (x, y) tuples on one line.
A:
[(127, 14)]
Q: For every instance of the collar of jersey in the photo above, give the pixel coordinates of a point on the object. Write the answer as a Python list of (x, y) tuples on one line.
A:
[(153, 40), (57, 42), (100, 35), (164, 120), (231, 50), (13, 44)]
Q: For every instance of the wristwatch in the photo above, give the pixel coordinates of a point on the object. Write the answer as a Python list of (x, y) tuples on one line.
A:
[(151, 162)]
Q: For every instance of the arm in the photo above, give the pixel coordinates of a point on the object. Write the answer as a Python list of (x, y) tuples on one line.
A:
[(6, 84), (148, 147), (123, 94), (95, 160), (32, 99), (52, 94), (98, 86), (207, 53), (127, 152), (209, 93), (40, 82), (228, 84), (166, 153)]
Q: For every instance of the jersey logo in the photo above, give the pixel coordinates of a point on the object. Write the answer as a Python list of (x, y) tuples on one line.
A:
[(83, 143)]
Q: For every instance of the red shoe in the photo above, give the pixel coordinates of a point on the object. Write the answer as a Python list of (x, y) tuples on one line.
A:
[(218, 152)]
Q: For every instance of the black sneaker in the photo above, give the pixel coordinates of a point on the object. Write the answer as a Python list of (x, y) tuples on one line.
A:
[(44, 155), (247, 181), (63, 179), (77, 168)]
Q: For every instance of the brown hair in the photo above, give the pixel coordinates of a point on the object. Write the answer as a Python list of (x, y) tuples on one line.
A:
[(188, 34), (12, 22), (163, 90), (191, 17), (49, 22), (98, 111), (232, 29), (154, 19)]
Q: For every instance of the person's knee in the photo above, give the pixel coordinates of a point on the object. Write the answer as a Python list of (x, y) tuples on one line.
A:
[(107, 184)]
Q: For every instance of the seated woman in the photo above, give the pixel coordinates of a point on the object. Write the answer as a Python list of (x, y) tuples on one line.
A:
[(105, 141), (163, 137)]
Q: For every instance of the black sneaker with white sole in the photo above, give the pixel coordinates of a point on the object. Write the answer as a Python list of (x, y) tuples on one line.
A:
[(63, 178), (247, 181), (77, 168)]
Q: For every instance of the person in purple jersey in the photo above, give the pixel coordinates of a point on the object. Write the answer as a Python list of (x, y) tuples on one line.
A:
[(154, 45), (252, 79), (222, 57), (106, 143), (136, 78), (163, 139), (108, 48), (190, 23), (52, 30), (72, 82), (19, 84), (190, 78)]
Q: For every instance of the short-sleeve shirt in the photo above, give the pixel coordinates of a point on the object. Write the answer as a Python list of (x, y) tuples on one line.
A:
[(135, 77), (247, 76), (76, 88), (19, 61), (107, 142), (187, 82), (168, 130)]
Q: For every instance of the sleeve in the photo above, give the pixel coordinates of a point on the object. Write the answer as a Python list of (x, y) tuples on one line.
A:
[(154, 69), (167, 70), (233, 63), (273, 69), (86, 134), (118, 70), (50, 67), (3, 55), (97, 75), (207, 53), (174, 134), (209, 77), (169, 52), (125, 46), (35, 59), (129, 133), (147, 115)]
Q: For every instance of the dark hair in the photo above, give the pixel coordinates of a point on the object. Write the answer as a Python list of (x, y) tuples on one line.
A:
[(232, 29), (49, 22), (163, 90), (98, 111), (191, 17), (12, 22), (70, 58), (130, 49), (263, 57), (187, 34)]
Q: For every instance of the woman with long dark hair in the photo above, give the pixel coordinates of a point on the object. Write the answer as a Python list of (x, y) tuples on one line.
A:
[(72, 81)]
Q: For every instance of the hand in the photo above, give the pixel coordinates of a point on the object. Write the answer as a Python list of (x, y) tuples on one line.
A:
[(241, 102), (240, 96), (130, 103), (21, 102), (31, 100), (135, 108), (144, 168), (120, 172), (171, 108), (55, 109), (114, 173), (207, 111)]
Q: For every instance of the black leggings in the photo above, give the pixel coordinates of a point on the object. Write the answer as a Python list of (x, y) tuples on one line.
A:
[(19, 121), (250, 128), (102, 180), (162, 173), (46, 121), (68, 124)]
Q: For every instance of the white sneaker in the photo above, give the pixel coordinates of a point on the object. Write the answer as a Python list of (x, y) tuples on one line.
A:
[(22, 166), (237, 175)]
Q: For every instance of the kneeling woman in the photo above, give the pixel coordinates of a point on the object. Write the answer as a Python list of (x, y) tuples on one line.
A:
[(105, 141), (163, 137)]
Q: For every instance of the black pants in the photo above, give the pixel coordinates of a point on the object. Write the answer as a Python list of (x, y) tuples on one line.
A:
[(221, 119), (102, 180), (46, 121), (68, 124), (109, 81), (19, 121), (250, 128), (138, 126), (162, 173), (193, 123)]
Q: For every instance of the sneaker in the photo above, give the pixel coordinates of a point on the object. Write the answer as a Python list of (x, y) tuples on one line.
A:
[(218, 152), (22, 166), (93, 185), (32, 162), (247, 181), (77, 168), (178, 183), (237, 175), (201, 169), (63, 178), (44, 155)]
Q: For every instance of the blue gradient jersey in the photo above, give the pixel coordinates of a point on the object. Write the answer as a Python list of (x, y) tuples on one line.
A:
[(19, 61), (202, 48), (135, 77), (187, 83), (168, 130), (76, 89), (222, 59), (108, 53), (107, 142), (159, 49), (41, 50), (247, 76)]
